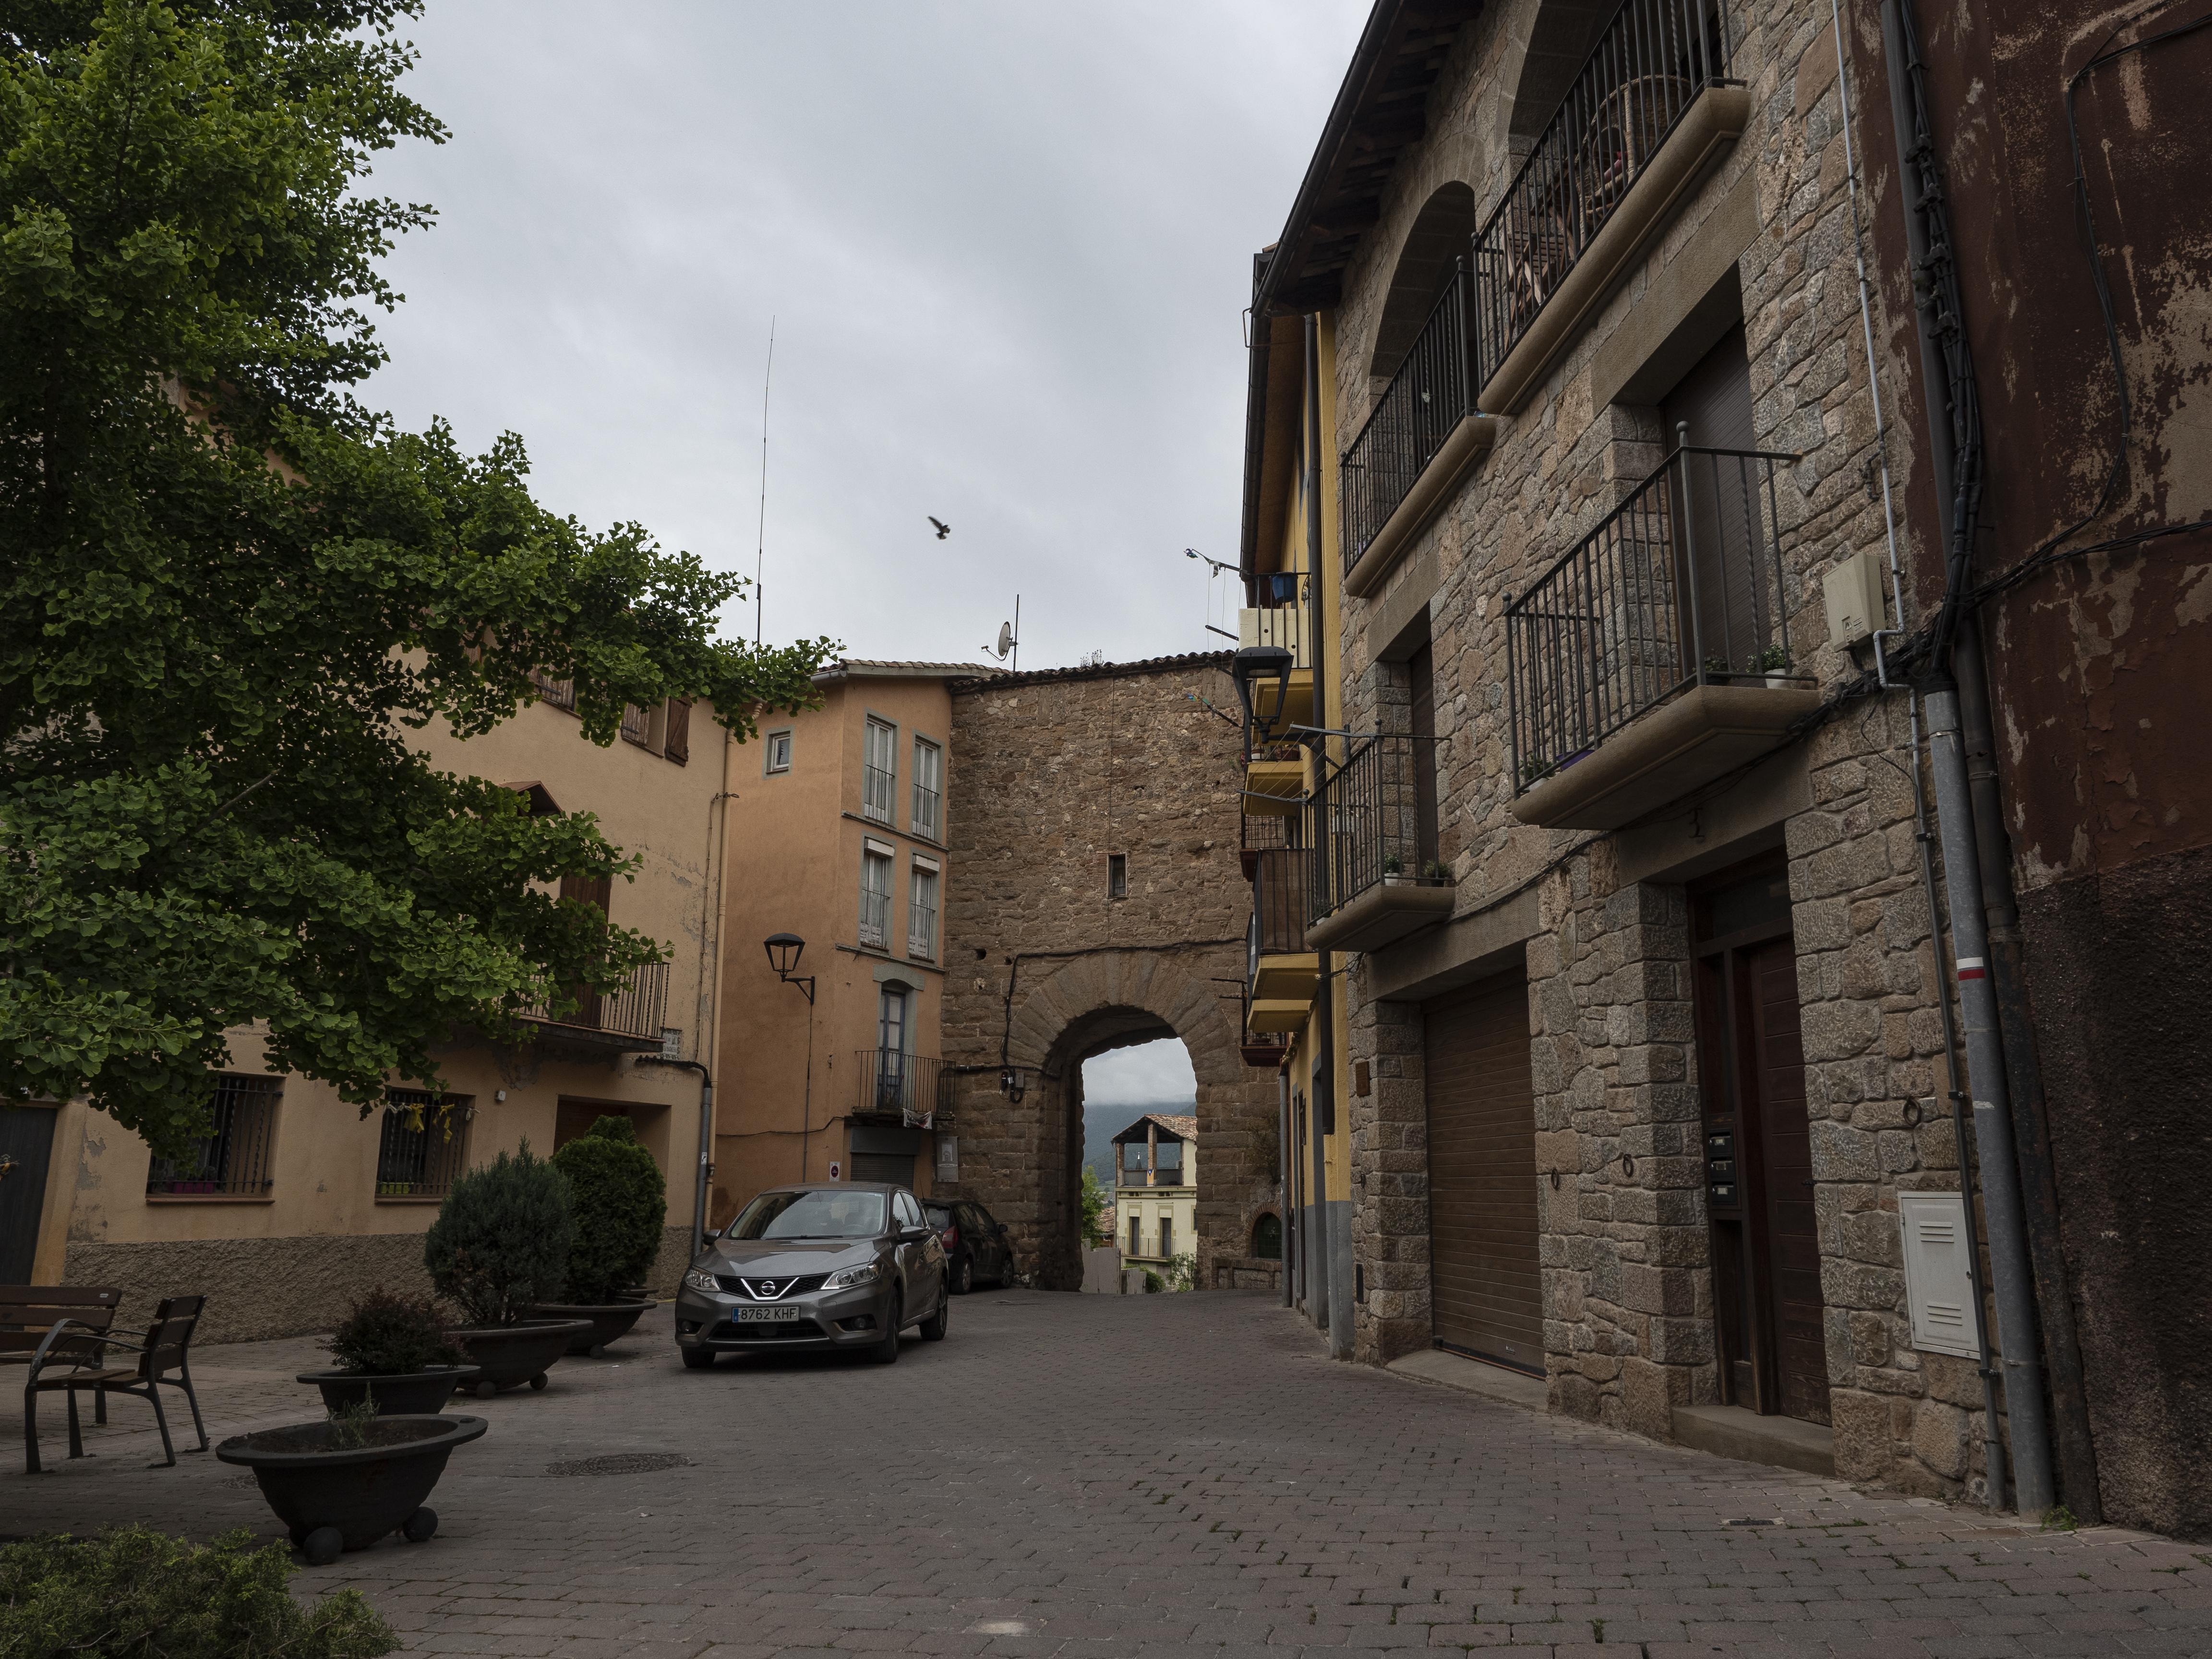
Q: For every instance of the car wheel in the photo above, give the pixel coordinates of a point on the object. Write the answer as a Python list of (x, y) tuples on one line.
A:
[(698, 1359), (933, 1328), (885, 1352), (963, 1276)]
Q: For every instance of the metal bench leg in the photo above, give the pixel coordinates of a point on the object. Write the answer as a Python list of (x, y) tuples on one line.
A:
[(183, 1380), (162, 1422), (30, 1431), (99, 1407), (77, 1436)]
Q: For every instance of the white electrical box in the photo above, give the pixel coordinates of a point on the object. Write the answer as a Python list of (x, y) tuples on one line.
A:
[(1939, 1291), (1853, 591)]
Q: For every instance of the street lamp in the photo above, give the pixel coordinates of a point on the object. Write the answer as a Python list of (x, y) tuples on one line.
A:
[(1255, 663), (784, 951)]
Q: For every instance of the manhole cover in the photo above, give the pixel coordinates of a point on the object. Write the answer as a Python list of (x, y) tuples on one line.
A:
[(620, 1463)]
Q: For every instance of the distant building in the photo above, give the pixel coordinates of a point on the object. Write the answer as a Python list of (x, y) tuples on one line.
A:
[(1156, 1190)]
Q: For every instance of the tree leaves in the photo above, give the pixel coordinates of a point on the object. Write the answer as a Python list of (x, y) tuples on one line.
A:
[(229, 595)]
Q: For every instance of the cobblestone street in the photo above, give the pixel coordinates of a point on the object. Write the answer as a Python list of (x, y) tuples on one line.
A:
[(1149, 1476)]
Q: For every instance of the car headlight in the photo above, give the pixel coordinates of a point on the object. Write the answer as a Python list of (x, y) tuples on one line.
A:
[(703, 1281), (846, 1278)]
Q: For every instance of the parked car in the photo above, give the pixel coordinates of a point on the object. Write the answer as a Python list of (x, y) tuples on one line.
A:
[(976, 1245), (819, 1265)]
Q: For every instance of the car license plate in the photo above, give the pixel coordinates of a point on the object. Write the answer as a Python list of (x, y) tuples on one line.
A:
[(767, 1316)]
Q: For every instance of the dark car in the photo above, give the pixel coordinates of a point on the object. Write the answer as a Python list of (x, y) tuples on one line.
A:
[(976, 1245), (844, 1264)]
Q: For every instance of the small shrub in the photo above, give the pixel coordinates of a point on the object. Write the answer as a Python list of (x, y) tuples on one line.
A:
[(1154, 1284), (501, 1242), (386, 1334), (1182, 1273), (349, 1425), (135, 1593), (620, 1204)]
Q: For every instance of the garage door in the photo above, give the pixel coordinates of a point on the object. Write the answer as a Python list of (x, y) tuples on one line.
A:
[(1486, 1297)]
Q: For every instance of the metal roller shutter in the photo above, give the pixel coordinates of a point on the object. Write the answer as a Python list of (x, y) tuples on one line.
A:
[(1486, 1295)]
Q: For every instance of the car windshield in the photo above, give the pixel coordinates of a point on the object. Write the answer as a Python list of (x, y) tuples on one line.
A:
[(810, 1215), (940, 1216)]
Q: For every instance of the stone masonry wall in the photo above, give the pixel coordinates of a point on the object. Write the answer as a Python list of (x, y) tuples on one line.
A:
[(1627, 1288), (1050, 773)]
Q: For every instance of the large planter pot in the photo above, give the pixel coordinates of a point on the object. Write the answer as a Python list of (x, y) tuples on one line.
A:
[(410, 1395), (509, 1354), (335, 1498), (608, 1321)]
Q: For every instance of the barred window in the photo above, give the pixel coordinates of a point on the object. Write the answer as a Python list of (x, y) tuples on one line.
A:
[(876, 899), (922, 913), (232, 1160), (424, 1146), (878, 770)]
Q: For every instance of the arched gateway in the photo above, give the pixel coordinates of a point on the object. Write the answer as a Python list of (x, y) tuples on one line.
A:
[(1096, 903)]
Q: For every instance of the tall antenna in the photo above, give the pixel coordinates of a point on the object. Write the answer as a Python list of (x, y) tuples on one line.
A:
[(760, 543)]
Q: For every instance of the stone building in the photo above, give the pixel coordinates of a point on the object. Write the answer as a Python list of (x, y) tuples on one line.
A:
[(1623, 844), (1091, 904)]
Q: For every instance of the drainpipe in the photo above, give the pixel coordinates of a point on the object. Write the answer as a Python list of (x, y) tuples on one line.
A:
[(1285, 1161), (1973, 849), (1321, 1092)]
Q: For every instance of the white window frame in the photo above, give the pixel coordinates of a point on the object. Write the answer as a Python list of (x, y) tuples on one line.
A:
[(883, 810), (877, 860), (771, 765), (930, 825), (921, 919)]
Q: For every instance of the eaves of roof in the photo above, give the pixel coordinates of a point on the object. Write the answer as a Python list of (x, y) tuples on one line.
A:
[(1104, 670)]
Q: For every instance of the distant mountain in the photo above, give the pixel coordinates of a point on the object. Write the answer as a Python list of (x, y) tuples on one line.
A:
[(1102, 1123)]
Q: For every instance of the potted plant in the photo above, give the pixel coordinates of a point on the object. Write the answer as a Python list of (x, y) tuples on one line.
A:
[(498, 1247), (619, 1204), (1436, 872), (1394, 871), (342, 1484), (1773, 664), (393, 1350)]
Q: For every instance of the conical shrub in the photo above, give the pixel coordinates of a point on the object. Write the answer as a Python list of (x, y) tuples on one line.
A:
[(502, 1239), (620, 1203)]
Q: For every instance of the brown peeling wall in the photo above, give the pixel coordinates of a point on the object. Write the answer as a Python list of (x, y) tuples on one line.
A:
[(2102, 676)]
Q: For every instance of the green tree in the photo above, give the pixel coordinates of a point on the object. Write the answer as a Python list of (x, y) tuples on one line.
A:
[(228, 594), (620, 1203), (1094, 1211)]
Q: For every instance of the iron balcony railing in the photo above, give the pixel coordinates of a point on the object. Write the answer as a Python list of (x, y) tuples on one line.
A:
[(423, 1146), (1368, 824), (1649, 66), (1260, 831), (232, 1159), (633, 1010), (1428, 397), (894, 1083), (1680, 586), (1279, 903)]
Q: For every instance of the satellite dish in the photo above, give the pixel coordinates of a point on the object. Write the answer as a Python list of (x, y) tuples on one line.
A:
[(1006, 640)]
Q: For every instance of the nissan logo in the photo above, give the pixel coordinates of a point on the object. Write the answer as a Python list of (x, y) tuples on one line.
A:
[(767, 1287)]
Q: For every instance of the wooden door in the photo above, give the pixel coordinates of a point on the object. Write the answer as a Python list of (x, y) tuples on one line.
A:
[(1486, 1296), (1769, 974), (26, 1147)]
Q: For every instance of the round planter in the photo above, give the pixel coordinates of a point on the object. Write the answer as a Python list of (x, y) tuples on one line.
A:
[(508, 1354), (334, 1498), (610, 1322), (410, 1395)]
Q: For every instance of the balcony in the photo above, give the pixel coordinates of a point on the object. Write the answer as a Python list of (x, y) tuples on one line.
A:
[(1373, 877), (895, 1088), (1654, 656), (1281, 973), (1652, 108), (1424, 434), (1275, 705), (625, 1020), (1274, 777), (1261, 833)]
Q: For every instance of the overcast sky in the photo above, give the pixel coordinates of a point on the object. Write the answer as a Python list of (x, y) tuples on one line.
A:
[(1006, 247)]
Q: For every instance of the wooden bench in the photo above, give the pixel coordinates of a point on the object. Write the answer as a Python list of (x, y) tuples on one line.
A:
[(70, 1359)]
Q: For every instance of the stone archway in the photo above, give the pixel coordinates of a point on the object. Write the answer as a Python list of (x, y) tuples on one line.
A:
[(1024, 1158)]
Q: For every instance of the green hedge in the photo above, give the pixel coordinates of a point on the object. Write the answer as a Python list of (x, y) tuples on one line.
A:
[(620, 1204), (134, 1594)]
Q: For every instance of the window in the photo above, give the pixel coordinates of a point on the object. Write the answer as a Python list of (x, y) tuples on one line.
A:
[(878, 771), (778, 758), (232, 1159), (637, 726), (1132, 1162), (1133, 1247), (1167, 1235), (1117, 875), (875, 897), (1168, 1160), (812, 1215), (676, 739), (562, 694), (922, 911), (1267, 1238), (424, 1143), (928, 790), (890, 1049)]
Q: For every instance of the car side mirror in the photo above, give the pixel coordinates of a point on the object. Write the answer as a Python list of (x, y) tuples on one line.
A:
[(914, 1235)]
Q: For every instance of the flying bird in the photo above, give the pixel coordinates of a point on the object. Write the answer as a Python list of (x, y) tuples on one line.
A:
[(943, 528)]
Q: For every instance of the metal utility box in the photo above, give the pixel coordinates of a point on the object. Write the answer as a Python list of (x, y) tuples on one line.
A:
[(1853, 591)]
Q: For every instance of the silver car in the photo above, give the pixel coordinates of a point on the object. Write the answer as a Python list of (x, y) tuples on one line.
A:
[(821, 1265)]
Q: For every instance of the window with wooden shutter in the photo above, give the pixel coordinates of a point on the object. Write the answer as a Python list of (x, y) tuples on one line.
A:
[(677, 747)]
